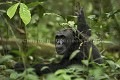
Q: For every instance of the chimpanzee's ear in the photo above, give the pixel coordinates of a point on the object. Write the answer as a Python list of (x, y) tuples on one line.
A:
[(82, 26)]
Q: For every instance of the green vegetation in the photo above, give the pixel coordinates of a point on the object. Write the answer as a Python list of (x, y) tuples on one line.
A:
[(28, 27)]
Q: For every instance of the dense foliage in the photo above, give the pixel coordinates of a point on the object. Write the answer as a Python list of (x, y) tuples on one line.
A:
[(27, 31)]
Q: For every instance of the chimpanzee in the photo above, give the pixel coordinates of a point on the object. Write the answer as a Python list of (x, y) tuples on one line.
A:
[(66, 42)]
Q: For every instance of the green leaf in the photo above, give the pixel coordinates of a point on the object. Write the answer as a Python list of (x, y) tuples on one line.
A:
[(51, 14), (111, 63), (34, 19), (61, 71), (66, 77), (21, 54), (29, 70), (86, 62), (53, 77), (118, 62), (10, 70), (71, 23), (33, 4), (45, 67), (5, 58), (79, 79), (25, 14), (14, 75), (30, 51), (90, 52), (92, 17), (11, 11), (74, 54), (3, 67), (97, 73)]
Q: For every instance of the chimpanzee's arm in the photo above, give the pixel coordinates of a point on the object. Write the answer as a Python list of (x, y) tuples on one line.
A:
[(82, 25), (44, 68), (49, 68)]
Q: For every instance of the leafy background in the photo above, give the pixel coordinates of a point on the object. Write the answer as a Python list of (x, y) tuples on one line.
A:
[(37, 21)]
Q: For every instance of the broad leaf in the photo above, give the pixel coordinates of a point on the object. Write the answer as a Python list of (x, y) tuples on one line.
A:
[(14, 75), (61, 71), (74, 54), (66, 77), (5, 58), (85, 62), (11, 11), (111, 63), (25, 14)]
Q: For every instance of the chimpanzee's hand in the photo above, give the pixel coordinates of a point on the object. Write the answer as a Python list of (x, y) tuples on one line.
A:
[(19, 67)]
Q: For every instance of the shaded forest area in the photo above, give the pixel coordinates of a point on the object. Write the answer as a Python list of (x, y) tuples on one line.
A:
[(27, 34)]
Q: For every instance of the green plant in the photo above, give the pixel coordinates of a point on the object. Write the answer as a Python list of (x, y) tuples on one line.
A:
[(24, 12)]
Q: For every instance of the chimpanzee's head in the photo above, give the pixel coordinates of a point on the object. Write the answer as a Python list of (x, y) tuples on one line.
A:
[(66, 41)]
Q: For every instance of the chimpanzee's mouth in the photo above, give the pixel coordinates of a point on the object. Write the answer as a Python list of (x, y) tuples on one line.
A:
[(60, 50)]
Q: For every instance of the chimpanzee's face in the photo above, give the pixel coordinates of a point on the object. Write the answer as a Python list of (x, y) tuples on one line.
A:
[(64, 40)]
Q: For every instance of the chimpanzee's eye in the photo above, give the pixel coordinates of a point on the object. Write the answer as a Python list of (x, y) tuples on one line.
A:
[(60, 41)]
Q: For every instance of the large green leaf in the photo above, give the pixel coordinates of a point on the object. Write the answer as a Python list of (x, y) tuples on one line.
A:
[(25, 14), (74, 54), (11, 11)]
